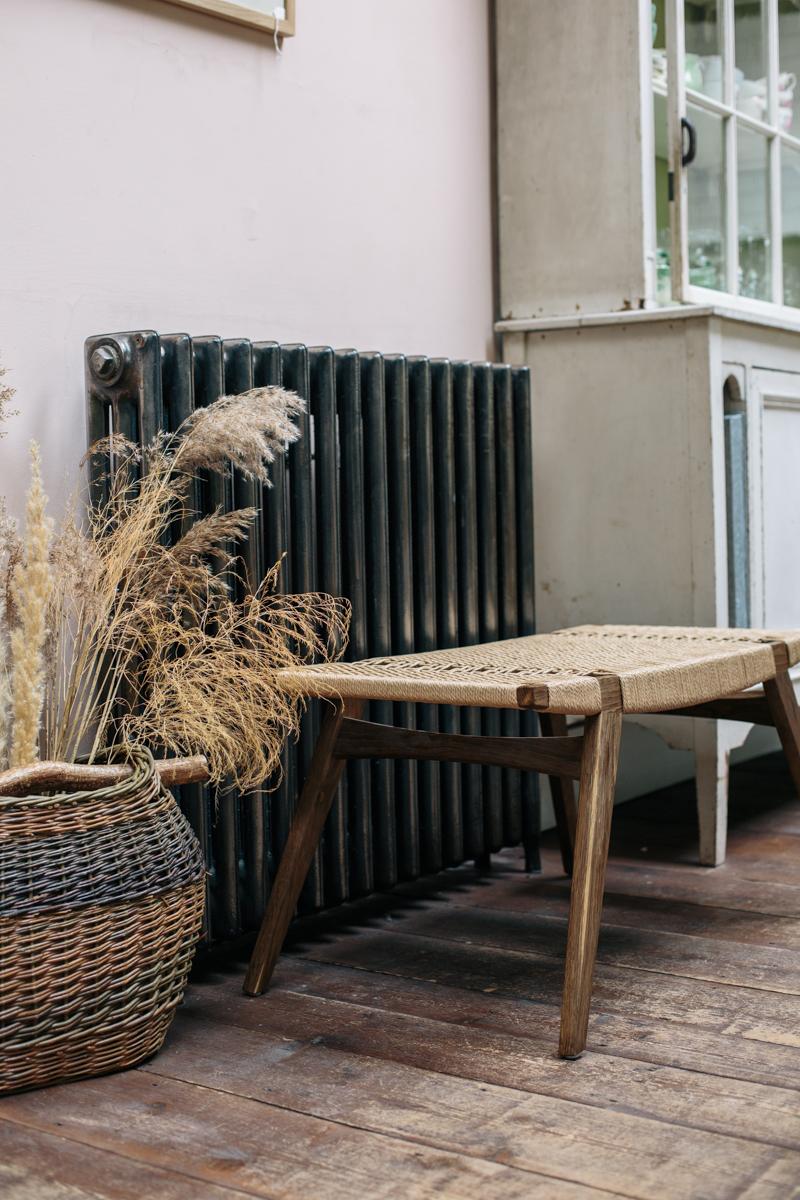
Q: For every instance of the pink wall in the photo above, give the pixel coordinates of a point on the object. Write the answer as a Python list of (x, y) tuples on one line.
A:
[(167, 170)]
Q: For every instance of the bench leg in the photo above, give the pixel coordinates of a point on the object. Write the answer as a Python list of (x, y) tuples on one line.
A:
[(786, 716), (562, 792), (304, 835), (595, 802)]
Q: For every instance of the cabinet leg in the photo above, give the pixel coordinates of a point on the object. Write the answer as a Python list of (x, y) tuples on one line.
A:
[(712, 763)]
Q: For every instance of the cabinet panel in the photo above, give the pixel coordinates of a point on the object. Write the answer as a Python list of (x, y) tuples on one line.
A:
[(574, 146), (780, 454)]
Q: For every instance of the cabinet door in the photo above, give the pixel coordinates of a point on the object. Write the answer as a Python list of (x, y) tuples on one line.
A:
[(776, 401), (733, 152)]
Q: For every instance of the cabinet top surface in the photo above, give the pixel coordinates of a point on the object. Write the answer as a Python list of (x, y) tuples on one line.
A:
[(676, 312)]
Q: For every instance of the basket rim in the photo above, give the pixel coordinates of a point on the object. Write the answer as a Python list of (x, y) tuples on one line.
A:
[(142, 774)]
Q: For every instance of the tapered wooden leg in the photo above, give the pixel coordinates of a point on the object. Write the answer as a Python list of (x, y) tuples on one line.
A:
[(786, 716), (562, 792), (304, 834), (595, 802)]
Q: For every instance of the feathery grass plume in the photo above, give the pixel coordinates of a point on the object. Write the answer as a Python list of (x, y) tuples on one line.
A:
[(153, 635), (219, 694), (249, 430), (5, 704), (7, 393), (30, 592), (10, 553)]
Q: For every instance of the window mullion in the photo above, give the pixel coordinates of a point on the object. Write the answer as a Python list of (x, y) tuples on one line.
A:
[(775, 200), (731, 176), (776, 219), (731, 207), (676, 102), (773, 70)]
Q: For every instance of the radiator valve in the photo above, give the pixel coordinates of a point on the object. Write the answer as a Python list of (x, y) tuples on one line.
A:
[(107, 362)]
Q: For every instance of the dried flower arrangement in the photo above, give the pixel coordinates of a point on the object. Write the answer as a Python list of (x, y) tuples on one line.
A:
[(114, 629)]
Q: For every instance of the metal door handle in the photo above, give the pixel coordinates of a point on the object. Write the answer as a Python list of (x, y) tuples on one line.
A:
[(690, 153)]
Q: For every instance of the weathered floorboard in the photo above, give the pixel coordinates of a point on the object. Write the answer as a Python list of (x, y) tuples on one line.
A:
[(43, 1166), (773, 969), (611, 1147), (233, 1141), (348, 1037), (548, 896), (763, 1016), (652, 1040)]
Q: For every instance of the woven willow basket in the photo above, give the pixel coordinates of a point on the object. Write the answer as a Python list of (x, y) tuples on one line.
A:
[(101, 904)]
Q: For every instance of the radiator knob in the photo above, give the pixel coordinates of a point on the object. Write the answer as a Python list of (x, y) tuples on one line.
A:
[(107, 362)]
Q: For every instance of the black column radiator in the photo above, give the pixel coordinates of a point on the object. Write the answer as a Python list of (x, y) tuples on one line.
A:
[(410, 492)]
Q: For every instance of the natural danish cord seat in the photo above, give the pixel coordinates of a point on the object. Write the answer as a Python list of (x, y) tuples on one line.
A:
[(598, 672), (571, 671)]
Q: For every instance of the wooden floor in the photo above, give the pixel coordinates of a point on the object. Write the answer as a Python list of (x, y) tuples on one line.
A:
[(407, 1047)]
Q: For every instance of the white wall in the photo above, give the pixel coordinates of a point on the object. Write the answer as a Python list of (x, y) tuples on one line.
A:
[(162, 169)]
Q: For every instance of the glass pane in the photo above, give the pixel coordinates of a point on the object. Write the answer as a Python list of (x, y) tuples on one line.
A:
[(790, 204), (659, 24), (706, 182), (659, 51), (663, 239), (750, 83), (753, 192), (789, 57), (703, 38)]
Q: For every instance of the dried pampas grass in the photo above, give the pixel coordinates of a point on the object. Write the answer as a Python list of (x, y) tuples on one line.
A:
[(29, 587), (150, 634), (211, 687), (250, 430), (10, 554)]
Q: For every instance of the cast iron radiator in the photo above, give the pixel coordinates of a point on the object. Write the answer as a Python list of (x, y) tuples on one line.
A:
[(410, 492)]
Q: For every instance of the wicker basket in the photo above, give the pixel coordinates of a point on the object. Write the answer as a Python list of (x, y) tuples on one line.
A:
[(101, 905)]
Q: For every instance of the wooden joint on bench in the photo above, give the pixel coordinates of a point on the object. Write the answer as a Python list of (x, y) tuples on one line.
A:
[(780, 652), (543, 698), (548, 755)]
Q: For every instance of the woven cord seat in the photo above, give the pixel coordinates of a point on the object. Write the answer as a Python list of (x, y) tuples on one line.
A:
[(599, 672), (572, 671)]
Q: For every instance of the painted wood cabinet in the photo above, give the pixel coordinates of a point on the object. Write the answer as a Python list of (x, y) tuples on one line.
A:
[(635, 487), (666, 412)]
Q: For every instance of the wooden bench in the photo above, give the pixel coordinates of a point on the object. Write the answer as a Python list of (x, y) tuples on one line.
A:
[(598, 673)]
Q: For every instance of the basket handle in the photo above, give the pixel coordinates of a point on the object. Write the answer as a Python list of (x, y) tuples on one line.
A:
[(42, 776)]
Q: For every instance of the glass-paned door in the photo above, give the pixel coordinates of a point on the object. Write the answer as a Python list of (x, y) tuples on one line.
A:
[(733, 151)]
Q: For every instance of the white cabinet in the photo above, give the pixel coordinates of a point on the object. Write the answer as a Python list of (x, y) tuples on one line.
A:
[(641, 512), (653, 300)]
